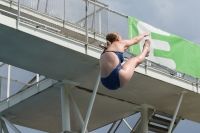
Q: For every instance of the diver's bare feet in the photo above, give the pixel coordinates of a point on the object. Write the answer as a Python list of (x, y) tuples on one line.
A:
[(147, 46)]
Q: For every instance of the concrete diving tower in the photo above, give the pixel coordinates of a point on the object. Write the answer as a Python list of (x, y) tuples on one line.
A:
[(62, 102)]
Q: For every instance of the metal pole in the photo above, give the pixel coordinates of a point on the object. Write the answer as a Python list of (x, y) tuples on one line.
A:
[(0, 87), (94, 17), (46, 6), (1, 126), (37, 78), (127, 124), (137, 127), (8, 82), (109, 131), (117, 126), (65, 108), (38, 4), (18, 16), (144, 119), (100, 22), (76, 110), (64, 13), (10, 125), (91, 103), (86, 25), (5, 129), (176, 111)]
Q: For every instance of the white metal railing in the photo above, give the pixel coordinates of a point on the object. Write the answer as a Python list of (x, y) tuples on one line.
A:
[(98, 16)]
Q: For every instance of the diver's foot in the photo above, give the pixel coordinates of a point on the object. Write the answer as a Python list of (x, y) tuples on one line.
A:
[(146, 46)]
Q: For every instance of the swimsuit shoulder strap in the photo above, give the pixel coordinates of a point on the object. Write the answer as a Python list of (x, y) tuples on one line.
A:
[(111, 51)]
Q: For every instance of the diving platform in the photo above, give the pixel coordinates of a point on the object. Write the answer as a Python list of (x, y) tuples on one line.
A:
[(67, 59)]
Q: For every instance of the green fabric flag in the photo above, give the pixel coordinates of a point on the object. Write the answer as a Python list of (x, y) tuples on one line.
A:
[(167, 49)]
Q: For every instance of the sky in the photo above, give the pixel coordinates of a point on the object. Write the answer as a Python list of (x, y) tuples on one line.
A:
[(177, 17)]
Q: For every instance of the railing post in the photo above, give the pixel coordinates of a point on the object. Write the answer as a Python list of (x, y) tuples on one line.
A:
[(94, 17), (86, 26), (38, 4), (46, 6), (197, 85), (18, 16), (91, 104), (64, 14), (100, 22), (37, 77), (8, 82)]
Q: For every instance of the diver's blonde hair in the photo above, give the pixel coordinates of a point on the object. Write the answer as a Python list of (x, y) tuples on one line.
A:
[(110, 38)]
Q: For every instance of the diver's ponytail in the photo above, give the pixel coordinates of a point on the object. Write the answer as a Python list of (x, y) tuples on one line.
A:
[(105, 46), (102, 46), (108, 43)]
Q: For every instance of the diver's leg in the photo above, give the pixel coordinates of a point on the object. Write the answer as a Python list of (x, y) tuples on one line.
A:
[(129, 66)]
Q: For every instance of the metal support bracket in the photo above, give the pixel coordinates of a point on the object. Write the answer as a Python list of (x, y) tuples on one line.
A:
[(146, 112), (70, 83), (66, 98)]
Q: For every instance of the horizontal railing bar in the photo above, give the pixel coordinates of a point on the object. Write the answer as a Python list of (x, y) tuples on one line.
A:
[(106, 7), (45, 26)]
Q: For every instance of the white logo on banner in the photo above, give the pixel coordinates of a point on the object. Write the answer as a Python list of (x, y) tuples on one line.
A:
[(156, 44)]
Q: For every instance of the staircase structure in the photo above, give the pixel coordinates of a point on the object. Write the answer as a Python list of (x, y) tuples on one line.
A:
[(70, 98)]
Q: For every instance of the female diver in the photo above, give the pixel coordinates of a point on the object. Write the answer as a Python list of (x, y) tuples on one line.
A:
[(113, 74)]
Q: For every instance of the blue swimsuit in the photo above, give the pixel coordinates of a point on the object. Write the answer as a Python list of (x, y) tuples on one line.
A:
[(112, 81)]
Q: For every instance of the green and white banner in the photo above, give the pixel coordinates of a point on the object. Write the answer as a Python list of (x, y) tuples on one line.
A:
[(167, 49)]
